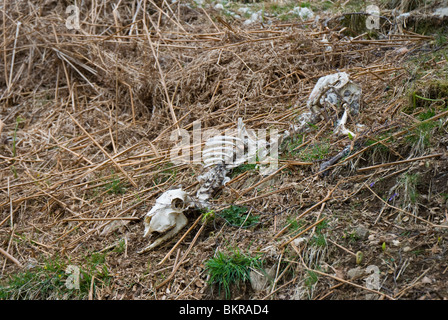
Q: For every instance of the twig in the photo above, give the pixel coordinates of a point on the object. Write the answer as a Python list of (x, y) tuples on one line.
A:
[(183, 257), (101, 219), (397, 134), (181, 239), (277, 279), (265, 195), (162, 77), (263, 180), (210, 19), (341, 247), (339, 279), (276, 271), (13, 55), (414, 283), (91, 288), (296, 163), (350, 283), (302, 232), (104, 151), (164, 268), (188, 285), (327, 197), (282, 286), (405, 212)]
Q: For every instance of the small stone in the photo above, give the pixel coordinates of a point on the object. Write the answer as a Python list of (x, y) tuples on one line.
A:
[(355, 272), (401, 51), (407, 249), (426, 280), (362, 232), (260, 280), (372, 296), (298, 241), (395, 243), (32, 263)]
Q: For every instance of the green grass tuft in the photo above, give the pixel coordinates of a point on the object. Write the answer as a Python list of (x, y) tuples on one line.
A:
[(319, 238), (316, 152), (311, 278), (237, 216), (226, 270), (115, 186)]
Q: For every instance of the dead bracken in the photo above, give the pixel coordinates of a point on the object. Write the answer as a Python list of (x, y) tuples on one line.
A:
[(89, 117)]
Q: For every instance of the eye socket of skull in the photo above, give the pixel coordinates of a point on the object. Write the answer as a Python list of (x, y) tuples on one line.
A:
[(177, 203)]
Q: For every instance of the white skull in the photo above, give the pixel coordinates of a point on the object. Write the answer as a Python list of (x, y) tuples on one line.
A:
[(166, 216)]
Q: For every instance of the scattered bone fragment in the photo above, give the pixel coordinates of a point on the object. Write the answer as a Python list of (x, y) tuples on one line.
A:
[(335, 90)]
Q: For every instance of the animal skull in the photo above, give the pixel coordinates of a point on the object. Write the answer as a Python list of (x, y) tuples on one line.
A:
[(166, 216), (332, 88)]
